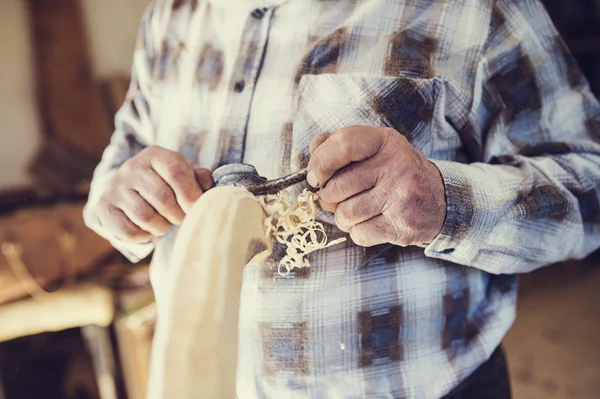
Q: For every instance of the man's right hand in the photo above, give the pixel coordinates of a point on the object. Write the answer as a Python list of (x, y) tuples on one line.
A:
[(149, 193)]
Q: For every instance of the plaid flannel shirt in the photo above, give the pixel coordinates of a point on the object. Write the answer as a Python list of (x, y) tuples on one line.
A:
[(486, 89)]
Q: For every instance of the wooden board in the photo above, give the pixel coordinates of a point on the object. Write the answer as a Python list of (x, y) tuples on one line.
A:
[(134, 335), (83, 305), (195, 345)]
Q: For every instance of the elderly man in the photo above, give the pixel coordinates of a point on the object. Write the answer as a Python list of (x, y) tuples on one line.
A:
[(456, 143)]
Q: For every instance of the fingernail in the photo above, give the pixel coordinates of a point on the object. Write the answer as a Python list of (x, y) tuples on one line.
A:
[(312, 179)]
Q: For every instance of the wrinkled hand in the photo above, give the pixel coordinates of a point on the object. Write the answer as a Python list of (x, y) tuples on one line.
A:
[(149, 193), (380, 187)]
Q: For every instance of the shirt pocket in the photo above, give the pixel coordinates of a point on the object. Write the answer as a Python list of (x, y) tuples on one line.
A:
[(425, 111)]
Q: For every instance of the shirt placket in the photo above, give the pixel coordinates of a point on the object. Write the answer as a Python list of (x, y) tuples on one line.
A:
[(242, 87)]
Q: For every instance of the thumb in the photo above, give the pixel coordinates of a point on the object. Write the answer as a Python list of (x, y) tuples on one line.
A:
[(317, 141)]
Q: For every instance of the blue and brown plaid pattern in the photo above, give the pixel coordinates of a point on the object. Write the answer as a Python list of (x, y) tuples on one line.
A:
[(486, 89)]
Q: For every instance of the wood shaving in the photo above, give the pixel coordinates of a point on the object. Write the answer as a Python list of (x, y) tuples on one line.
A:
[(294, 226)]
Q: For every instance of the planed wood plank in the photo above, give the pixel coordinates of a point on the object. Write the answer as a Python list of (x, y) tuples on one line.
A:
[(83, 305), (195, 346)]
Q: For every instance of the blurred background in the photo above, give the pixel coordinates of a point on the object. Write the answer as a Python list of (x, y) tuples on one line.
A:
[(76, 319)]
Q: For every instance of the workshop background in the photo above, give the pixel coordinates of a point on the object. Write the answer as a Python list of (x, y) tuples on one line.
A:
[(76, 319)]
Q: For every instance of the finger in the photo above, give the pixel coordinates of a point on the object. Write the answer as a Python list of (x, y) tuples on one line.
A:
[(177, 172), (327, 206), (375, 231), (143, 215), (114, 220), (204, 178), (317, 141), (358, 209), (156, 192), (349, 181), (351, 144)]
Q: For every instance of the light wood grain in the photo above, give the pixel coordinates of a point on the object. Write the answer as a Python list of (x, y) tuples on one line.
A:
[(195, 353), (84, 305)]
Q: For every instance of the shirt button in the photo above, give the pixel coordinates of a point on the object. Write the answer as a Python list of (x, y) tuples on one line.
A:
[(259, 13), (238, 87)]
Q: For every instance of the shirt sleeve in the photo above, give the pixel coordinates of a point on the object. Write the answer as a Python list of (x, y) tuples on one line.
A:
[(133, 128), (532, 199)]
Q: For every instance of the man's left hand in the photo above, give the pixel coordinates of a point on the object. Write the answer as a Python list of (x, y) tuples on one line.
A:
[(381, 188)]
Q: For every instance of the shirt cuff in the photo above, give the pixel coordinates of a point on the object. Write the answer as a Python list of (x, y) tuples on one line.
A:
[(457, 241)]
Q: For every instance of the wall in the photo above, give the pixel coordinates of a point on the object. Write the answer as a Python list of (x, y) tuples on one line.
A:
[(112, 25), (19, 122)]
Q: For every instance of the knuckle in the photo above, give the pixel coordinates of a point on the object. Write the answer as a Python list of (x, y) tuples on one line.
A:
[(329, 192), (388, 131), (101, 214), (408, 222), (128, 233), (121, 225), (344, 133), (358, 238), (128, 230), (150, 151), (397, 232), (103, 202), (113, 184), (329, 207), (112, 212), (402, 240), (179, 158), (410, 213), (340, 221), (90, 215), (339, 136), (162, 230), (128, 167), (341, 216), (162, 195), (191, 194), (146, 215), (113, 190), (145, 152), (344, 214), (188, 190), (176, 168), (396, 236), (344, 147), (323, 170), (342, 227), (335, 191)]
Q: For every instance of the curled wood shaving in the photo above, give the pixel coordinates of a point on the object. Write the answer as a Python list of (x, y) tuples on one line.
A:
[(294, 225)]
